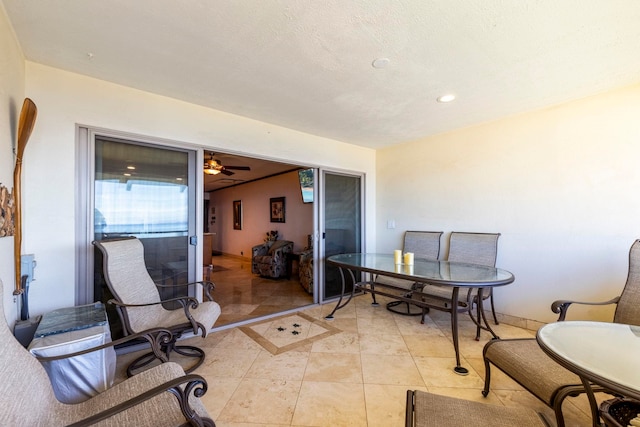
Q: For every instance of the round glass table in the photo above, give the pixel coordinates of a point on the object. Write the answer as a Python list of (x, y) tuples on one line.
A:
[(601, 353)]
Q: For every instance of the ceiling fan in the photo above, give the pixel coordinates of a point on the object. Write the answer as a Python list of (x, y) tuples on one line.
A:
[(214, 167)]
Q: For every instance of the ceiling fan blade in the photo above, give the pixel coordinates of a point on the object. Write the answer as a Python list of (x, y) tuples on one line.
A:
[(226, 172), (240, 168)]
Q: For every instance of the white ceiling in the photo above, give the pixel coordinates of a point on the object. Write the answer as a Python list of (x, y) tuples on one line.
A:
[(307, 64)]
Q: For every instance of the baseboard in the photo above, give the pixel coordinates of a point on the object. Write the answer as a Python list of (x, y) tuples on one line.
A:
[(520, 322)]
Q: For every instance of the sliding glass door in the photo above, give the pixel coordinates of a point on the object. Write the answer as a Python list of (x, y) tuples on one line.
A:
[(341, 224), (148, 192)]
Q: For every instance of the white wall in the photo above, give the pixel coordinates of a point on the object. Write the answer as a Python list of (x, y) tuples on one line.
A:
[(65, 99), (560, 184), (12, 78)]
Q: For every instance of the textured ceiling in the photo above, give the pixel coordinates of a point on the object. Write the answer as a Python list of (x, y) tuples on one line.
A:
[(306, 64)]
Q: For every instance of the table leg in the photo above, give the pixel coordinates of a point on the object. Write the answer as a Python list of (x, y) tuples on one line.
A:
[(339, 305), (595, 413), (372, 284), (454, 331)]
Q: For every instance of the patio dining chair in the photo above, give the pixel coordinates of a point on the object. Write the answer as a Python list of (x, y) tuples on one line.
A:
[(425, 245), (470, 248), (526, 363), (431, 410), (141, 308)]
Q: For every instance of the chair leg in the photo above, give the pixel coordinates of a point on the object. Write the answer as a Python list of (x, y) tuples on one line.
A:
[(190, 351), (392, 304), (487, 378), (166, 350), (140, 363)]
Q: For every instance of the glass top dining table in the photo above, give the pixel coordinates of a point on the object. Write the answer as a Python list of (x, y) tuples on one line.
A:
[(434, 272), (431, 271)]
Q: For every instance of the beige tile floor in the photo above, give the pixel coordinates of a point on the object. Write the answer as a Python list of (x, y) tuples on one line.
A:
[(244, 296), (357, 377)]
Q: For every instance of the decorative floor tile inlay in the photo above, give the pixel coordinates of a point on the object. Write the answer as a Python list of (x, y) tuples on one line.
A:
[(288, 332)]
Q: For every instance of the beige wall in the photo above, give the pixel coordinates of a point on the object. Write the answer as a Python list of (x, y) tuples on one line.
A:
[(560, 185), (12, 83), (255, 198), (65, 99)]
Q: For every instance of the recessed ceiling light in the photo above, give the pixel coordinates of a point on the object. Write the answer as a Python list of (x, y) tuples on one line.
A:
[(126, 174), (446, 98), (380, 62), (131, 167)]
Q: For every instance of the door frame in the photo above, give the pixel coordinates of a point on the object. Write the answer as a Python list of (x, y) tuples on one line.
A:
[(320, 260), (84, 201)]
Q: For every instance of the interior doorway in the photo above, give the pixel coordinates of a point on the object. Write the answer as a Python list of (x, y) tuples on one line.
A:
[(248, 201)]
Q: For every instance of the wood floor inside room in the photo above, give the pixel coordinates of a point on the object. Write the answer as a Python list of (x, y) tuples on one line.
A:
[(244, 296)]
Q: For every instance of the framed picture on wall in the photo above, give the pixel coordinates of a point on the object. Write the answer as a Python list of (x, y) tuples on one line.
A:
[(277, 209), (237, 214)]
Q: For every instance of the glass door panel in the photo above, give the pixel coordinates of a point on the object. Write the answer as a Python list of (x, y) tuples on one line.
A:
[(342, 225), (143, 191)]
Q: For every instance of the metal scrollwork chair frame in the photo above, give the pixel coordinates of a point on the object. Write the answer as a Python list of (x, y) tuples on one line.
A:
[(526, 363), (160, 396), (140, 307)]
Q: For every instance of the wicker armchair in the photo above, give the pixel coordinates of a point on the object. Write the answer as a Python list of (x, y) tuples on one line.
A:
[(161, 396), (525, 362), (431, 410), (270, 260), (140, 307)]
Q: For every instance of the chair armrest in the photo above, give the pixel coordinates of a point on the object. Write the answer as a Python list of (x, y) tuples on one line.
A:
[(185, 302), (259, 250), (561, 306), (193, 384), (155, 337), (181, 300)]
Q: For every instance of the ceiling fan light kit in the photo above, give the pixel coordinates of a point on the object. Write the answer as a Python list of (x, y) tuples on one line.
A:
[(214, 167)]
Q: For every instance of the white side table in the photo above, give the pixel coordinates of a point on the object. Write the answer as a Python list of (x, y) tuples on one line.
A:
[(69, 330)]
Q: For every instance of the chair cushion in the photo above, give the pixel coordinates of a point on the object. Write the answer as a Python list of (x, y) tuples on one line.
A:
[(143, 318), (433, 410), (524, 361)]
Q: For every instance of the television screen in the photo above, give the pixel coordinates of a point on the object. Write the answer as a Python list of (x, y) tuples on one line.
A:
[(306, 185)]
